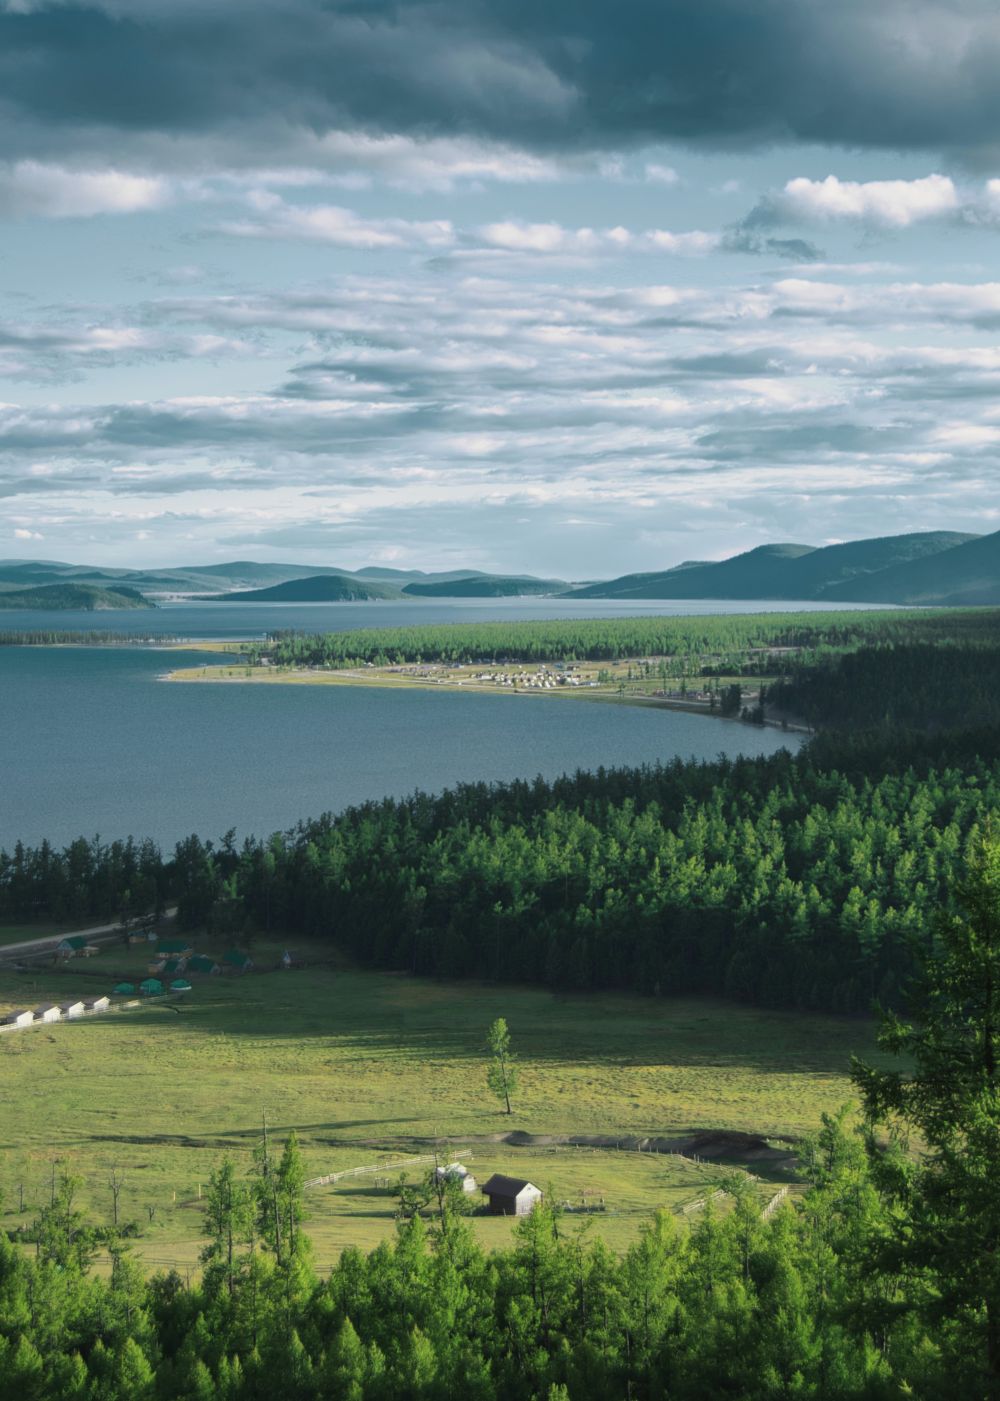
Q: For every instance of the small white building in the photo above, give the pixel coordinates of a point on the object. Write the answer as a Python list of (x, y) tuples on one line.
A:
[(96, 1004), (19, 1019), (47, 1012), (456, 1172), (72, 1009)]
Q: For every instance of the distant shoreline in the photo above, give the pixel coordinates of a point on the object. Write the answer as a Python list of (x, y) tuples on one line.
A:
[(238, 675)]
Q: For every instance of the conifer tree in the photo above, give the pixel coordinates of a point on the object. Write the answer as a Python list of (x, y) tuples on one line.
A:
[(945, 1194)]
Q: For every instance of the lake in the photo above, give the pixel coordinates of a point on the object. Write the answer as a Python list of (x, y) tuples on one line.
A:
[(94, 742)]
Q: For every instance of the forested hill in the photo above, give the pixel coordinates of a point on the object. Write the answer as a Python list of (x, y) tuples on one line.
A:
[(736, 639), (318, 588), (485, 586), (74, 597), (939, 567)]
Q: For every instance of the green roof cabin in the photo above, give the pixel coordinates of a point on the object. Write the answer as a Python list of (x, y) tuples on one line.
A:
[(124, 990), (201, 963), (73, 943), (179, 947), (180, 985), (237, 962), (151, 987)]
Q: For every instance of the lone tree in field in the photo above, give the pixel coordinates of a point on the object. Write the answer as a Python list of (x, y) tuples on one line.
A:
[(502, 1073)]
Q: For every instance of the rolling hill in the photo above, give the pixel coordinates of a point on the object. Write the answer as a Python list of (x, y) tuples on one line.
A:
[(966, 575), (486, 586), (316, 588), (70, 597), (859, 571)]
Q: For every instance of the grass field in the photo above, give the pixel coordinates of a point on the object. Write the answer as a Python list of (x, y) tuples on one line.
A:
[(368, 1067)]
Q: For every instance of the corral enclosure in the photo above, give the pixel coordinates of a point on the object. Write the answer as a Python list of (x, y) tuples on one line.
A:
[(371, 1068)]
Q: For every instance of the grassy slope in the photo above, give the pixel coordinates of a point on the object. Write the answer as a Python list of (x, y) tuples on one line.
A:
[(347, 1057)]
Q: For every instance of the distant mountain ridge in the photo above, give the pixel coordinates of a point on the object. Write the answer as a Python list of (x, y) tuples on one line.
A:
[(926, 567), (246, 576), (932, 567), (486, 586), (317, 588)]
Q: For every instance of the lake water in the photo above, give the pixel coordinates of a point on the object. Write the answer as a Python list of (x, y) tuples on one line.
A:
[(92, 741)]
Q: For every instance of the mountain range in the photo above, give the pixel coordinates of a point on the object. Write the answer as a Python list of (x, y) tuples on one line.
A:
[(927, 568), (932, 567)]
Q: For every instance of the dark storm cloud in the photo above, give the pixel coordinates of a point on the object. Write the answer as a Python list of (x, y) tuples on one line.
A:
[(567, 74), (744, 238)]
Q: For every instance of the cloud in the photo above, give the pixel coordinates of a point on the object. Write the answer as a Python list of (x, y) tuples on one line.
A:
[(179, 82), (336, 225), (516, 236), (31, 188), (889, 204), (661, 174), (27, 535)]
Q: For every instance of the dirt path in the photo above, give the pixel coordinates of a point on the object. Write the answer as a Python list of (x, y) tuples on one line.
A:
[(37, 948)]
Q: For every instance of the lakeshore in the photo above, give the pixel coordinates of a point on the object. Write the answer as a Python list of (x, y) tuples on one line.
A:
[(614, 683)]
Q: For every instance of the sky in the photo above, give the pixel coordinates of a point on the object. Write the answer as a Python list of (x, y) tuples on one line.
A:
[(565, 288)]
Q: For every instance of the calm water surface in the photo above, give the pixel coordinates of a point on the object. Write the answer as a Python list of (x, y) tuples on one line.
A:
[(92, 741)]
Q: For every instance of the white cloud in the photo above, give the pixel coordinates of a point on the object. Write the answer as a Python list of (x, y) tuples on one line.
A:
[(331, 223), (887, 203), (516, 236), (31, 188), (661, 174), (27, 535)]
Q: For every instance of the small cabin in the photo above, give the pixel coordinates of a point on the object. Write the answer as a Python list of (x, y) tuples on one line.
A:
[(457, 1173), (510, 1196), (201, 963), (72, 1009), (19, 1019), (96, 1004), (175, 948), (71, 945), (124, 989), (151, 987), (47, 1012), (236, 962)]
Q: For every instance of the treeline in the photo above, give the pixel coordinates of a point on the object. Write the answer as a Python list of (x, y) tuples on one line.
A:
[(789, 881), (25, 637), (878, 1282), (613, 639), (798, 881), (775, 880), (911, 685), (89, 879), (805, 1305)]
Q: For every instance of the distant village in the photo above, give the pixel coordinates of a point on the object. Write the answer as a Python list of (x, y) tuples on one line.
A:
[(172, 963)]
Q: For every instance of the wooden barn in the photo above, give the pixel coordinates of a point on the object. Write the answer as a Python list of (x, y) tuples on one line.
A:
[(47, 1012), (19, 1019), (96, 1004), (510, 1196), (72, 1009)]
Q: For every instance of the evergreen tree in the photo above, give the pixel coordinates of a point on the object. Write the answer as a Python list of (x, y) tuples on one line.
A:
[(945, 1237)]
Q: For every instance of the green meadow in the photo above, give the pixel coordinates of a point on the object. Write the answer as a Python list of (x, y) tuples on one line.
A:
[(373, 1068)]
